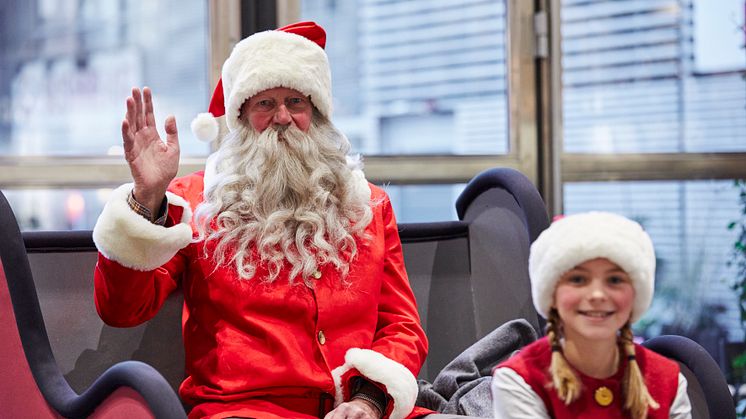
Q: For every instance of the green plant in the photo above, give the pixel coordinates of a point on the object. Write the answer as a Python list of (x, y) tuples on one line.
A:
[(738, 255), (738, 364)]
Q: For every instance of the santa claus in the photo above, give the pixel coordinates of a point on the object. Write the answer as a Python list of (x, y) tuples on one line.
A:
[(296, 301)]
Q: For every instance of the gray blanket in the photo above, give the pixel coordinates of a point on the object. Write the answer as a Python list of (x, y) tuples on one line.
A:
[(463, 386)]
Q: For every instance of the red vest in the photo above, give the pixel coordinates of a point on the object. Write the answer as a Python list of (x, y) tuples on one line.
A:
[(661, 377)]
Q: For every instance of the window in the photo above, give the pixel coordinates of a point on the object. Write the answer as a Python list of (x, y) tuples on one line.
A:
[(421, 90), (653, 128), (66, 69), (418, 77)]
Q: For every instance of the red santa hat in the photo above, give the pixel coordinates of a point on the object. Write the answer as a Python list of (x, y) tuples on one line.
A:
[(578, 238), (292, 56)]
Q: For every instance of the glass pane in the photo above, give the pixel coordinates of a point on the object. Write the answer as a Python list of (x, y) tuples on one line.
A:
[(688, 222), (58, 209), (417, 77), (653, 76), (66, 67), (424, 203)]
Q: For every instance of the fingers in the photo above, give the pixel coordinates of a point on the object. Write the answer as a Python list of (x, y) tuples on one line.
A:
[(130, 116), (149, 116), (172, 133), (139, 112), (128, 140)]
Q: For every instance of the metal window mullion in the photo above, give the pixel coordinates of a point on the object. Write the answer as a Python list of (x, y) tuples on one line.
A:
[(522, 87), (74, 172), (652, 166)]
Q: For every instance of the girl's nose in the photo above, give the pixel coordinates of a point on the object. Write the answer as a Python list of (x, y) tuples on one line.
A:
[(597, 291)]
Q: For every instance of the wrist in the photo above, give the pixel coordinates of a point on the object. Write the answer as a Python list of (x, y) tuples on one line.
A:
[(151, 200), (369, 393), (371, 404)]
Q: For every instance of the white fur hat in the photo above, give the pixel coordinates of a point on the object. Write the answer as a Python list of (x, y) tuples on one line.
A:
[(578, 238), (292, 56)]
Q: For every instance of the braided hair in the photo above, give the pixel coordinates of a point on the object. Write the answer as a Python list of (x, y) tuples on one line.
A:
[(637, 399)]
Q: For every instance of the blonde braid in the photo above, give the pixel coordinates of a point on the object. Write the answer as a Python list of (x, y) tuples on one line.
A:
[(564, 379), (637, 399)]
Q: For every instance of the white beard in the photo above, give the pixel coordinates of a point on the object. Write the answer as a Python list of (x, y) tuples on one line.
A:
[(283, 198)]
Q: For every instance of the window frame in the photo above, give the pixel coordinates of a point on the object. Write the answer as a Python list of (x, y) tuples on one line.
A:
[(603, 167), (226, 30), (46, 171), (535, 120)]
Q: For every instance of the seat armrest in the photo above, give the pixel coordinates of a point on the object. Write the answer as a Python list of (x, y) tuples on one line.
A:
[(712, 381), (140, 377)]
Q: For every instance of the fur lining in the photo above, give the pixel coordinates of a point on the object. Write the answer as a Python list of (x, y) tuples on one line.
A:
[(127, 238), (400, 384), (205, 127), (272, 59), (359, 185), (210, 176), (578, 238)]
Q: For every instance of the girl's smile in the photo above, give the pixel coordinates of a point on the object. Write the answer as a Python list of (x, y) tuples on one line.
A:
[(594, 300)]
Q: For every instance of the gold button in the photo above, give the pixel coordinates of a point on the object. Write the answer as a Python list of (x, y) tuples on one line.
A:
[(322, 337), (317, 275), (603, 396)]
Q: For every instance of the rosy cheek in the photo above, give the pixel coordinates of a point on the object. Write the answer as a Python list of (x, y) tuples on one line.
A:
[(302, 123), (565, 299), (259, 123), (628, 299)]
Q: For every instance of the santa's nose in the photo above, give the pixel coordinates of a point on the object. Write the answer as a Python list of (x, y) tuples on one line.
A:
[(282, 116)]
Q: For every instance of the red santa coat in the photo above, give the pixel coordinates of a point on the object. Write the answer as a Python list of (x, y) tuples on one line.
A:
[(258, 349)]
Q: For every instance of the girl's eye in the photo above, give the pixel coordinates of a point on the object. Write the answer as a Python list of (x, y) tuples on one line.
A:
[(616, 279), (575, 279)]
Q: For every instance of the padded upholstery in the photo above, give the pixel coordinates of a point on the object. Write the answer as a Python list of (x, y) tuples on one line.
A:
[(471, 276), (708, 390), (126, 389)]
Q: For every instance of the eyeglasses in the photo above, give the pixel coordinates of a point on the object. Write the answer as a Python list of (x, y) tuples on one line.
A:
[(292, 103)]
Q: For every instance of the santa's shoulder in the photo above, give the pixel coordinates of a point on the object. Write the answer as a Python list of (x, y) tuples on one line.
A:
[(189, 187)]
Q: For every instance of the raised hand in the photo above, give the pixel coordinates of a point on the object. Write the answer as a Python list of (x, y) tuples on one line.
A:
[(153, 163)]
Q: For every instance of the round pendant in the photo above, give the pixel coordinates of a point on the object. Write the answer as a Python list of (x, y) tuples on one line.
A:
[(603, 396)]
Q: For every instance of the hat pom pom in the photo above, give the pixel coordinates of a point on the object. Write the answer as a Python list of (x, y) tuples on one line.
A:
[(205, 127)]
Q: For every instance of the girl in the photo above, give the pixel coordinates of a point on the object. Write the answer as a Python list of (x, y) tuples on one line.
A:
[(592, 276)]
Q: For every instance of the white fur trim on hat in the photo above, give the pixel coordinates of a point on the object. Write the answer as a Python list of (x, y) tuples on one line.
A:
[(399, 381), (272, 59), (578, 238), (126, 237), (205, 127)]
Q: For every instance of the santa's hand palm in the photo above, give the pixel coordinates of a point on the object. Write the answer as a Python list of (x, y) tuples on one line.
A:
[(153, 163)]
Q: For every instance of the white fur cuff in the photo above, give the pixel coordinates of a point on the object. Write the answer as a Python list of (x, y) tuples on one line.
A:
[(360, 185), (400, 384), (127, 238)]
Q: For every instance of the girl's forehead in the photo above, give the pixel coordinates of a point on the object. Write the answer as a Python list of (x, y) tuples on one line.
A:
[(599, 264)]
